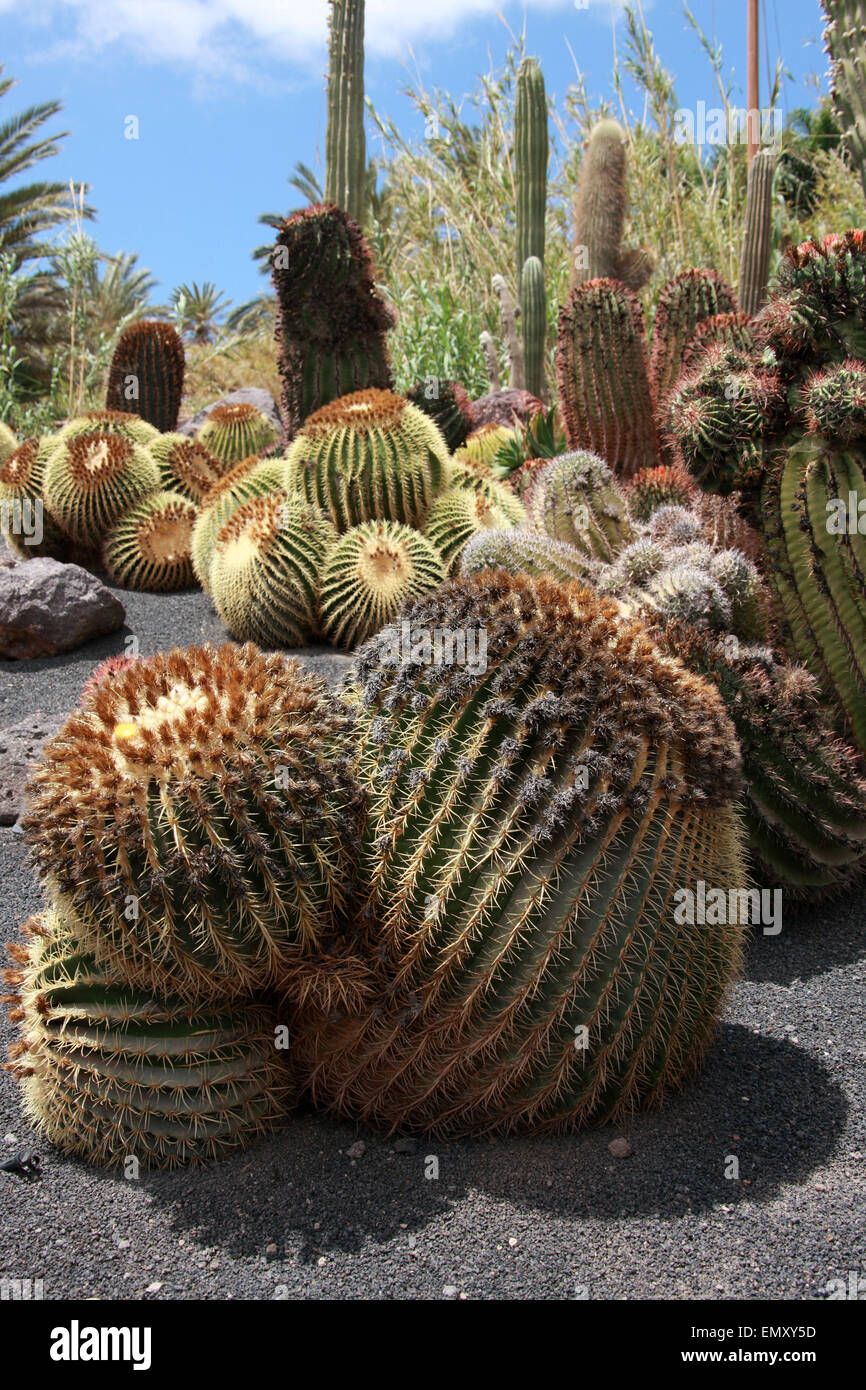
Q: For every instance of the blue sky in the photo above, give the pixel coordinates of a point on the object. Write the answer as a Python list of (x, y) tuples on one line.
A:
[(229, 94)]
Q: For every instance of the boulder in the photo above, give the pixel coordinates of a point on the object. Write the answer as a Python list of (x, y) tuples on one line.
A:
[(47, 607), (247, 395), (20, 746)]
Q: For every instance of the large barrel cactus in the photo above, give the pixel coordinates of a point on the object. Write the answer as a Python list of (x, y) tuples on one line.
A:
[(149, 547), (370, 573), (545, 792), (236, 432), (252, 477), (23, 511), (146, 375), (186, 466), (92, 479), (198, 819), (111, 1074)]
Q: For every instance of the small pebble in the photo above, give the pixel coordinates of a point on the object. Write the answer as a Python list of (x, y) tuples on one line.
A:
[(357, 1150), (450, 1290), (619, 1148), (271, 1251)]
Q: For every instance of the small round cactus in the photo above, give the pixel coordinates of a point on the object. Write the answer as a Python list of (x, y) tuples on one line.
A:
[(186, 466), (521, 551), (119, 422), (652, 488), (834, 401), (22, 476), (370, 573), (149, 547), (250, 478), (577, 500), (234, 432), (483, 445), (92, 479), (456, 516), (266, 567)]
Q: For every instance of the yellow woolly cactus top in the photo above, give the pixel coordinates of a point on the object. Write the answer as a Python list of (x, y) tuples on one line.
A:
[(362, 410)]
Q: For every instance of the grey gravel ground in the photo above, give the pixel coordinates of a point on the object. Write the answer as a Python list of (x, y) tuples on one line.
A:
[(784, 1092)]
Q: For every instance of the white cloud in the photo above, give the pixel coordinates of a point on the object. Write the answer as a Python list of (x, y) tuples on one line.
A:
[(234, 37)]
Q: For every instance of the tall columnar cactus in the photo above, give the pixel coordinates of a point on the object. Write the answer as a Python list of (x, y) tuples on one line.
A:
[(345, 148), (537, 802), (530, 163), (758, 232), (599, 213), (111, 1074), (253, 477), (91, 480), (146, 375), (804, 803), (370, 456), (521, 551), (186, 466), (785, 425), (534, 323), (235, 432), (370, 573), (456, 516), (22, 504), (331, 322), (448, 406), (266, 569), (149, 547), (684, 304), (845, 44), (576, 499), (199, 819)]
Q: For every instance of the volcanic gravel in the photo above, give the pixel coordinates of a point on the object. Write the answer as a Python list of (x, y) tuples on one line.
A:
[(311, 1212)]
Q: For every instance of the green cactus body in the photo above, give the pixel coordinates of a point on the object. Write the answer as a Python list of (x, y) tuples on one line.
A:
[(113, 422), (533, 310), (448, 406), (331, 322), (22, 504), (804, 803), (532, 816), (369, 574), (599, 213), (111, 1074), (146, 374), (456, 516), (266, 569), (498, 492), (235, 432), (576, 499), (758, 232), (149, 547), (370, 456), (199, 819), (92, 479), (845, 44), (483, 446), (345, 151), (250, 478), (521, 551), (186, 466), (8, 441), (731, 330), (530, 163), (684, 303), (652, 488), (603, 375)]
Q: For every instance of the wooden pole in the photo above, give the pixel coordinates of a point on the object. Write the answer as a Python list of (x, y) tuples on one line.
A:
[(754, 91)]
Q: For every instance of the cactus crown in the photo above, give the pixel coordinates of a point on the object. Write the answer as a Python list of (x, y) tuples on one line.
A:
[(363, 411)]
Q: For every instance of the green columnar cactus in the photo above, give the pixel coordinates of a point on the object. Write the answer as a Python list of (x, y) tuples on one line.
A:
[(530, 164), (113, 422), (251, 478), (146, 375), (267, 567), (235, 432), (109, 1073), (652, 488), (370, 456), (448, 406), (804, 803), (521, 551), (684, 304), (748, 421), (576, 499), (91, 480), (370, 573), (456, 516), (149, 547), (845, 44), (8, 441), (331, 322), (758, 233), (603, 375), (345, 149), (540, 808), (22, 505), (199, 819), (186, 466), (599, 214), (534, 322)]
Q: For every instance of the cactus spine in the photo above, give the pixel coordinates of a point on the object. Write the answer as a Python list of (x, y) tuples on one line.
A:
[(599, 214), (149, 547), (845, 44), (146, 375), (370, 573), (345, 152), (757, 238)]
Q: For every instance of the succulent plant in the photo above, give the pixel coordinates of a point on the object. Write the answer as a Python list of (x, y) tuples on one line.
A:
[(235, 432), (22, 505), (8, 441), (199, 819), (345, 151), (253, 477), (109, 1073), (448, 406), (599, 213), (685, 302), (370, 456), (731, 330), (845, 44), (533, 314), (266, 569), (456, 516), (576, 499), (675, 526), (483, 444), (521, 551), (530, 164), (331, 322), (652, 488), (146, 374), (537, 819), (371, 571), (91, 480), (149, 547), (186, 466), (498, 492), (758, 232), (113, 422), (725, 528)]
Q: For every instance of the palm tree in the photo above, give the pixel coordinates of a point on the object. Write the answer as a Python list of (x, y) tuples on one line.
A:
[(304, 181), (196, 310), (120, 296), (33, 208)]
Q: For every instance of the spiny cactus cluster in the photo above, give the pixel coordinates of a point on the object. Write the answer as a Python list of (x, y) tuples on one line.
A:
[(448, 406)]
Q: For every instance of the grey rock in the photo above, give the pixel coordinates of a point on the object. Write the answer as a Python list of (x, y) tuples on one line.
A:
[(47, 607), (247, 395), (20, 746)]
